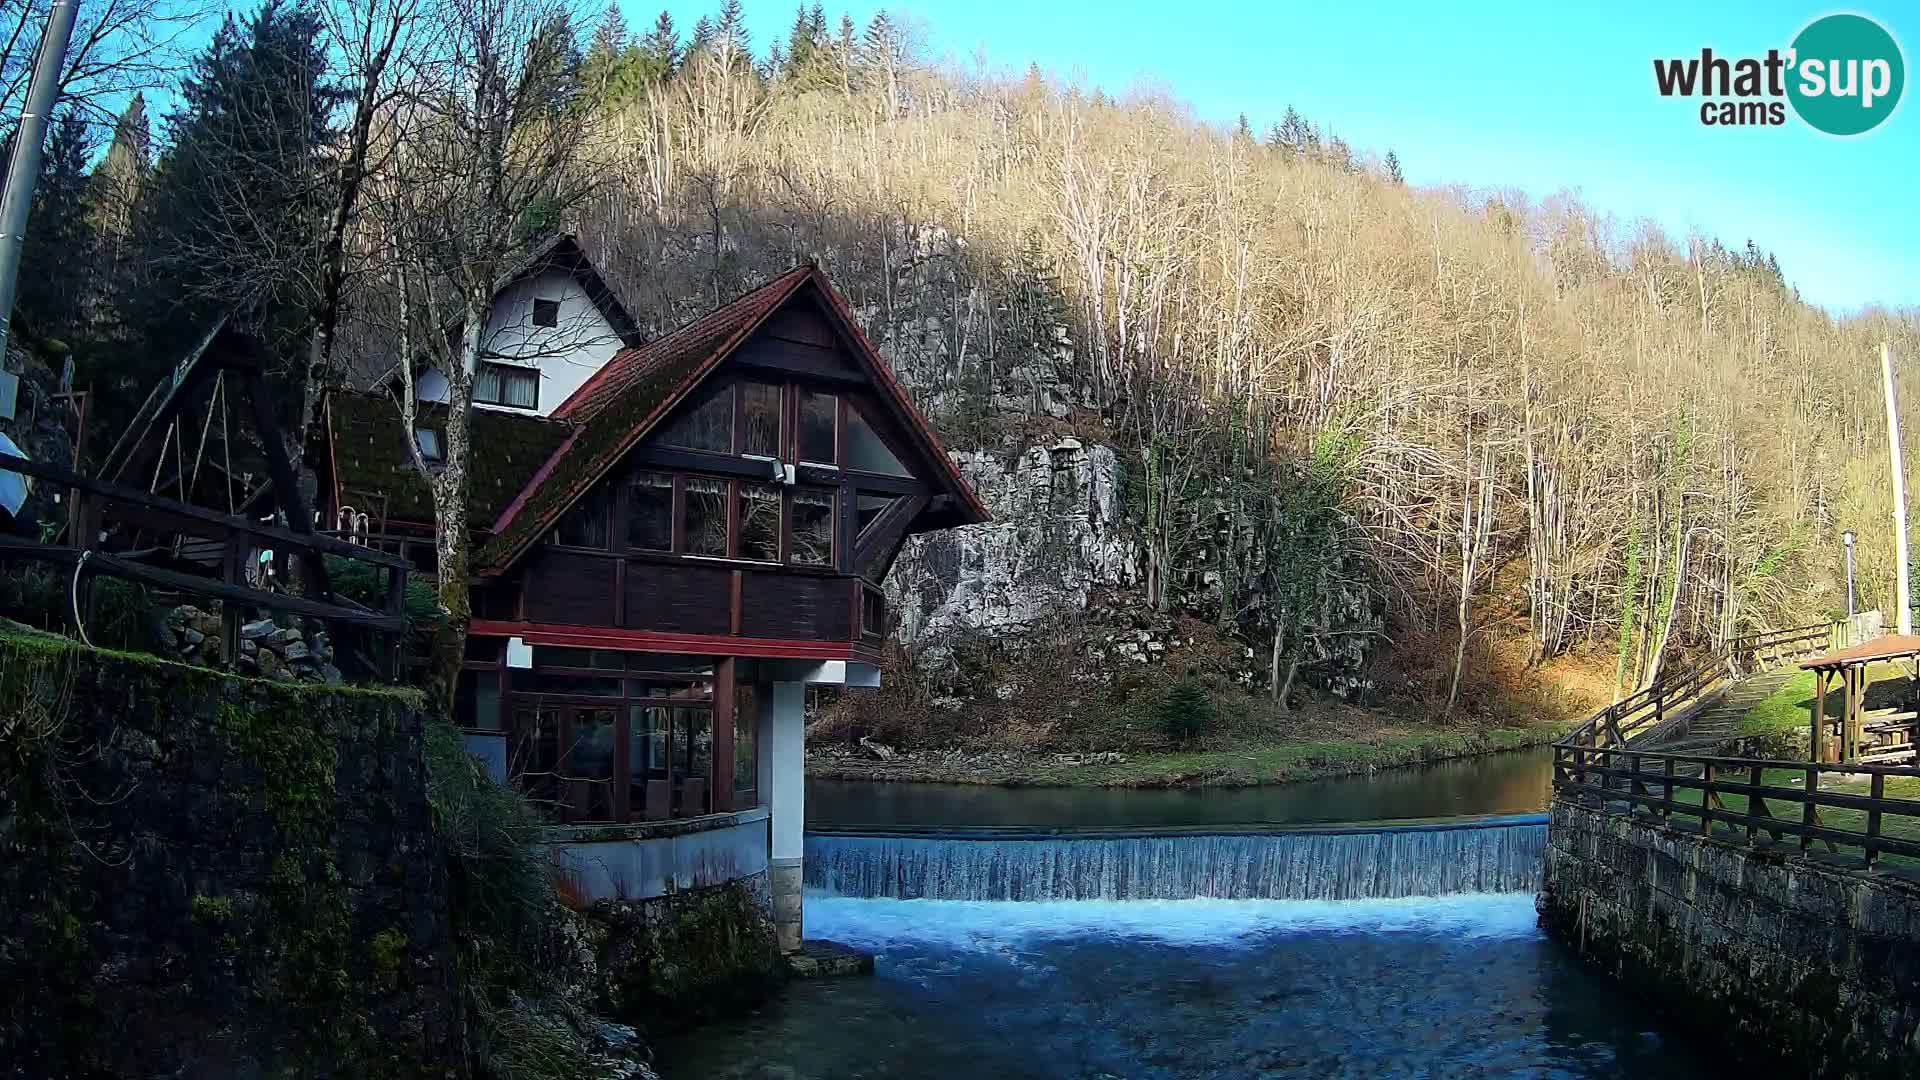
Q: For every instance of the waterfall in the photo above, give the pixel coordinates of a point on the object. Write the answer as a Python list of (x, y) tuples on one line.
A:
[(1482, 856)]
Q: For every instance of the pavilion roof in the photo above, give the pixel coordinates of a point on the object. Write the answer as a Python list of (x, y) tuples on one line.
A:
[(1884, 647)]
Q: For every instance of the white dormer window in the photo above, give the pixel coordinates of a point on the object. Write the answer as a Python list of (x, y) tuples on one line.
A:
[(546, 312)]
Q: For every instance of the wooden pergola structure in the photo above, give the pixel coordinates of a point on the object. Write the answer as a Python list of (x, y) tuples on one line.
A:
[(1846, 737)]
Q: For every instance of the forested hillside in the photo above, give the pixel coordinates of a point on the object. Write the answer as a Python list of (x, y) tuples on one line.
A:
[(1283, 404)]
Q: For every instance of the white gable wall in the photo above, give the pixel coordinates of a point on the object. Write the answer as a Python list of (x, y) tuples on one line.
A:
[(566, 354)]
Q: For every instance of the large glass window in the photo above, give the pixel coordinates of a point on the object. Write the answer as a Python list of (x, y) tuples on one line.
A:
[(817, 413), (866, 451), (585, 523), (650, 511), (476, 699), (692, 756), (813, 526), (760, 419), (706, 524), (706, 426), (589, 765), (759, 522)]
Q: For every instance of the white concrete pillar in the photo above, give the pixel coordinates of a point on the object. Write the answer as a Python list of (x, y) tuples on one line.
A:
[(785, 764)]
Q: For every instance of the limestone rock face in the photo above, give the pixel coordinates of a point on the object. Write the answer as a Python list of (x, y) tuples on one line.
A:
[(1056, 538)]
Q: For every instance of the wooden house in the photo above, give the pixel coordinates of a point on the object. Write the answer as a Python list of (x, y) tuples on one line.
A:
[(671, 552)]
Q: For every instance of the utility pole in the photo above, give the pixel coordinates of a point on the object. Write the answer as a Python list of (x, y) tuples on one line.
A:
[(28, 141), (1902, 600)]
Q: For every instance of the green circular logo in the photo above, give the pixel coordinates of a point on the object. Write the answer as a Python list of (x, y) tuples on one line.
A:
[(1847, 74)]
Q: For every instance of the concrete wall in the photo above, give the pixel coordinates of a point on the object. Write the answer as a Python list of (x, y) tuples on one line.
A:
[(1794, 966), (640, 861)]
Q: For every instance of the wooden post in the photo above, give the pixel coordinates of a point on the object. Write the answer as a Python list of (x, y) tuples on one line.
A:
[(1902, 598), (1667, 810), (1817, 745), (1808, 814), (1706, 798), (1878, 792)]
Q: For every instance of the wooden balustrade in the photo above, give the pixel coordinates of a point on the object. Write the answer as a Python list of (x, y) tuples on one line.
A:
[(1694, 788)]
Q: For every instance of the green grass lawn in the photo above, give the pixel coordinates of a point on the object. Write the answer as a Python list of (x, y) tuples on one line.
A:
[(1788, 709), (1283, 762), (1833, 817)]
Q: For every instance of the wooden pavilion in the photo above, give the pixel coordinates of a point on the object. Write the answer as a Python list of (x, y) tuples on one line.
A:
[(1849, 736)]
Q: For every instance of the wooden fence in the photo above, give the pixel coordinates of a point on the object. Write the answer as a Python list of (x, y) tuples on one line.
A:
[(1612, 762)]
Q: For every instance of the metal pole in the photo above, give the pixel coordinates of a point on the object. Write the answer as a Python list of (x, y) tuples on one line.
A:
[(1902, 599), (1847, 537), (28, 140)]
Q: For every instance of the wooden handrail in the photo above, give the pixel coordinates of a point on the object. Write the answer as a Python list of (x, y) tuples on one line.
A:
[(1623, 780)]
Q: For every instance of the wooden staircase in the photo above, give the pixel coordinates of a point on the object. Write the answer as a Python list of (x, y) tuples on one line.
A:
[(1720, 720)]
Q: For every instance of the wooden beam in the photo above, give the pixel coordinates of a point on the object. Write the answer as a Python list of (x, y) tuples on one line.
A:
[(220, 590), (887, 530), (132, 497)]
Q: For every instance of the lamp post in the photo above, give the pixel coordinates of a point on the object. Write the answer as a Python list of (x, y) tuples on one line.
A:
[(1847, 539)]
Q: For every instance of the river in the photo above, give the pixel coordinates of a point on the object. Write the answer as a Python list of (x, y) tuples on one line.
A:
[(1136, 950)]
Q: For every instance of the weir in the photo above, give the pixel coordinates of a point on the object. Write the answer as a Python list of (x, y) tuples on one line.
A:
[(1345, 862)]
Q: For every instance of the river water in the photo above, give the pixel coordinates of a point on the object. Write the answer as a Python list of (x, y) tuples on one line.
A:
[(1298, 952), (1510, 783)]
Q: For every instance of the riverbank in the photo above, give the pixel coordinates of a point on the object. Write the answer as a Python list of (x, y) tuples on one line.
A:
[(1242, 766)]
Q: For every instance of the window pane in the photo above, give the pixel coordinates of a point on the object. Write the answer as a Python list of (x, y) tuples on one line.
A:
[(680, 691), (692, 759), (486, 384), (870, 507), (650, 511), (546, 312), (873, 613), (706, 525), (760, 406), (585, 524), (759, 522), (746, 723), (553, 682), (707, 426), (535, 757), (590, 764), (816, 427), (865, 451), (647, 742), (429, 441), (813, 526), (554, 656), (522, 388)]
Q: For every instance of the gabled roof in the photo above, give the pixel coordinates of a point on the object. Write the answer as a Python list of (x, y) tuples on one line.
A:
[(562, 251), (627, 397), (369, 456)]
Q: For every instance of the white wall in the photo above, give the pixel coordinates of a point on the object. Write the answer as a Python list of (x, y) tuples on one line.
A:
[(566, 354)]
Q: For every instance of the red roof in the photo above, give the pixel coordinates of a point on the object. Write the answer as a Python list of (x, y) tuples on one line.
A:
[(635, 389), (1884, 647)]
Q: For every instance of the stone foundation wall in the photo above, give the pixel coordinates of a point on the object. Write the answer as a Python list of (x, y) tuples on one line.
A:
[(669, 962), (1792, 966), (209, 875)]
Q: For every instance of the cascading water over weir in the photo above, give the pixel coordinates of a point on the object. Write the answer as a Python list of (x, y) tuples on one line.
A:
[(1355, 862)]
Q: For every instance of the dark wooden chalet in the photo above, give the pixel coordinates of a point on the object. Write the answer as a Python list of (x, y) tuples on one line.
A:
[(707, 514)]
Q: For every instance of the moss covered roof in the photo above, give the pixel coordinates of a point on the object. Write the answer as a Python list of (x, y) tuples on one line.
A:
[(370, 456)]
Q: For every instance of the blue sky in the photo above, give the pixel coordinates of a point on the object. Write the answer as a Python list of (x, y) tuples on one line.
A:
[(1540, 97)]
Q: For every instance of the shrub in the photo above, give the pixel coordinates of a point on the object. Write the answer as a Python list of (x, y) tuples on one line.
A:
[(1186, 712)]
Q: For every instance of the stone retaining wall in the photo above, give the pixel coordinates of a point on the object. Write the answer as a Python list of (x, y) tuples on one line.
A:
[(1791, 965)]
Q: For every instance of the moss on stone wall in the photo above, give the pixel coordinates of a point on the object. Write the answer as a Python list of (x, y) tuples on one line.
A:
[(677, 960), (206, 875)]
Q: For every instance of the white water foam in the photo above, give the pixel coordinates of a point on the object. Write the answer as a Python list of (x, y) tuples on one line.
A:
[(994, 926)]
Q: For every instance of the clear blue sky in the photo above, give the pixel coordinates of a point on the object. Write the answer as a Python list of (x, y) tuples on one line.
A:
[(1539, 96)]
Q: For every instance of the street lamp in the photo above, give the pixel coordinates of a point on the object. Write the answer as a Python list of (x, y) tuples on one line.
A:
[(1847, 539)]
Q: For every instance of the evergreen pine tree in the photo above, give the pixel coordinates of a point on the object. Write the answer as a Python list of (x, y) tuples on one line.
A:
[(1243, 131), (800, 44), (703, 34), (1186, 712), (660, 50), (600, 69), (733, 27), (238, 196), (1293, 133), (1392, 165), (57, 261)]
